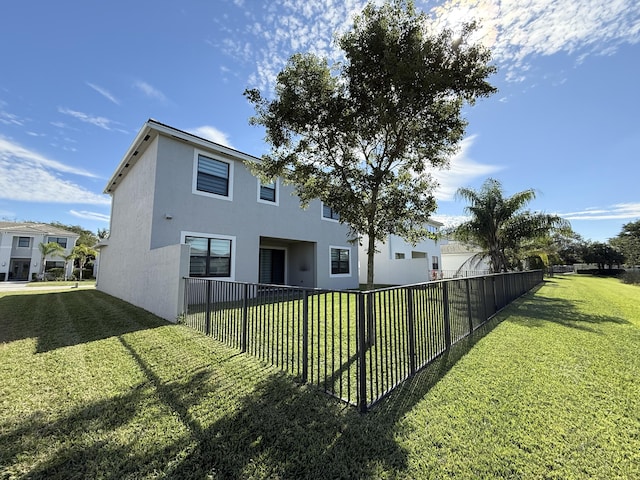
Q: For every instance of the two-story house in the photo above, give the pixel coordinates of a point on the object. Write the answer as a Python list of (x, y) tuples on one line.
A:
[(397, 262), (185, 206), (20, 257)]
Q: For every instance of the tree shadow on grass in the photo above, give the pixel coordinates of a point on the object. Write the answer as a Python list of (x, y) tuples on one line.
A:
[(541, 309), (233, 418), (66, 318)]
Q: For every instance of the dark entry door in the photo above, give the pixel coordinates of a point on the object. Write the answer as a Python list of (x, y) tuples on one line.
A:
[(271, 266)]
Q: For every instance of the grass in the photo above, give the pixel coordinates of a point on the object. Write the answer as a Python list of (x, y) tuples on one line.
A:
[(95, 388)]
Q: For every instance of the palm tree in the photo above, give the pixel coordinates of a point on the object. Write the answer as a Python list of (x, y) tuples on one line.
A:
[(68, 258), (83, 253), (499, 225), (46, 250)]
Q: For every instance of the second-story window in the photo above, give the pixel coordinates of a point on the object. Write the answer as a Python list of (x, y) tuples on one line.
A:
[(329, 213), (268, 192), (62, 241), (213, 176), (24, 242)]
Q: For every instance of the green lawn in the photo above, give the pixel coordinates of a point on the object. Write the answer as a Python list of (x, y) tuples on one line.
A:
[(95, 388)]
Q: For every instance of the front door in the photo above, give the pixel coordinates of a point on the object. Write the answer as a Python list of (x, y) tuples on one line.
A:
[(19, 269), (271, 269)]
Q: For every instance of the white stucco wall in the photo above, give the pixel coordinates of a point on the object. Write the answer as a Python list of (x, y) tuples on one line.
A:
[(390, 270), (129, 268)]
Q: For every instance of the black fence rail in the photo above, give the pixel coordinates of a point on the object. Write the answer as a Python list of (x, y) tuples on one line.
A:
[(356, 346)]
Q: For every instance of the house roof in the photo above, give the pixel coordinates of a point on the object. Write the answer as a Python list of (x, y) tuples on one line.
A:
[(153, 128), (454, 247), (31, 228)]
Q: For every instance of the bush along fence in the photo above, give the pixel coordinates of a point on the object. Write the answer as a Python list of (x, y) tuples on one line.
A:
[(356, 346)]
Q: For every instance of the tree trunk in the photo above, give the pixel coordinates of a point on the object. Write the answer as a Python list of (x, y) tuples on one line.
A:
[(371, 251)]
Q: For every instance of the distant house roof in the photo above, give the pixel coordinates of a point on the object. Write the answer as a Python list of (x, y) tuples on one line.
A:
[(152, 129), (31, 228), (454, 247)]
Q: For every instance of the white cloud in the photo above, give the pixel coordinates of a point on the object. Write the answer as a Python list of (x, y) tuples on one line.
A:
[(463, 170), (105, 93), (26, 175), (518, 31), (287, 27), (619, 211), (10, 150), (450, 221), (213, 134), (149, 90), (100, 122), (90, 215)]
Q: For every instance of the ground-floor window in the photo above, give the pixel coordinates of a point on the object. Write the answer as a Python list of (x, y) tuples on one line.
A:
[(210, 257), (340, 263)]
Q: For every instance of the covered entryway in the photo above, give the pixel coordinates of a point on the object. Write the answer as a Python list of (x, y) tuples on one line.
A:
[(283, 261)]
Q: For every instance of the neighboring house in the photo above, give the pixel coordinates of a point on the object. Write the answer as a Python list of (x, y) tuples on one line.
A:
[(20, 257), (185, 206), (397, 262), (461, 260)]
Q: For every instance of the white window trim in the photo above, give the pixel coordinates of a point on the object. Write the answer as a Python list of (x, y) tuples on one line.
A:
[(325, 218), (341, 275), (267, 202), (194, 184), (183, 240)]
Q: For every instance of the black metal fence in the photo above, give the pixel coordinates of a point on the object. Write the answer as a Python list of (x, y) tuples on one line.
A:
[(356, 346)]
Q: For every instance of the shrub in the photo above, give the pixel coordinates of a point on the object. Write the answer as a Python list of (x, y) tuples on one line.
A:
[(607, 272), (631, 277), (55, 274), (87, 273)]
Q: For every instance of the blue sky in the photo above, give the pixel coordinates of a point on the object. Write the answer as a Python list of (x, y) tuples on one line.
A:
[(79, 78)]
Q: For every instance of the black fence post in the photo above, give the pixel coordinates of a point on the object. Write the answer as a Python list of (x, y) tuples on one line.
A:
[(411, 331), (305, 336), (371, 317), (245, 317), (207, 321), (362, 349), (447, 319)]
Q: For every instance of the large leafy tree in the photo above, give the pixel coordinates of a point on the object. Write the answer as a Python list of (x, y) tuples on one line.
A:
[(500, 226), (361, 135), (628, 242), (603, 254)]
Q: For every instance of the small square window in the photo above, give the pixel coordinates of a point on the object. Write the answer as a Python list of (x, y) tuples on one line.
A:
[(24, 242), (329, 213), (268, 192), (399, 256)]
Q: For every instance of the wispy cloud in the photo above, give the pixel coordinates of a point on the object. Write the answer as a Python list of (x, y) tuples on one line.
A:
[(149, 90), (104, 92), (286, 27), (28, 176), (101, 122), (463, 170), (90, 215), (619, 211), (517, 32), (213, 134), (8, 118)]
